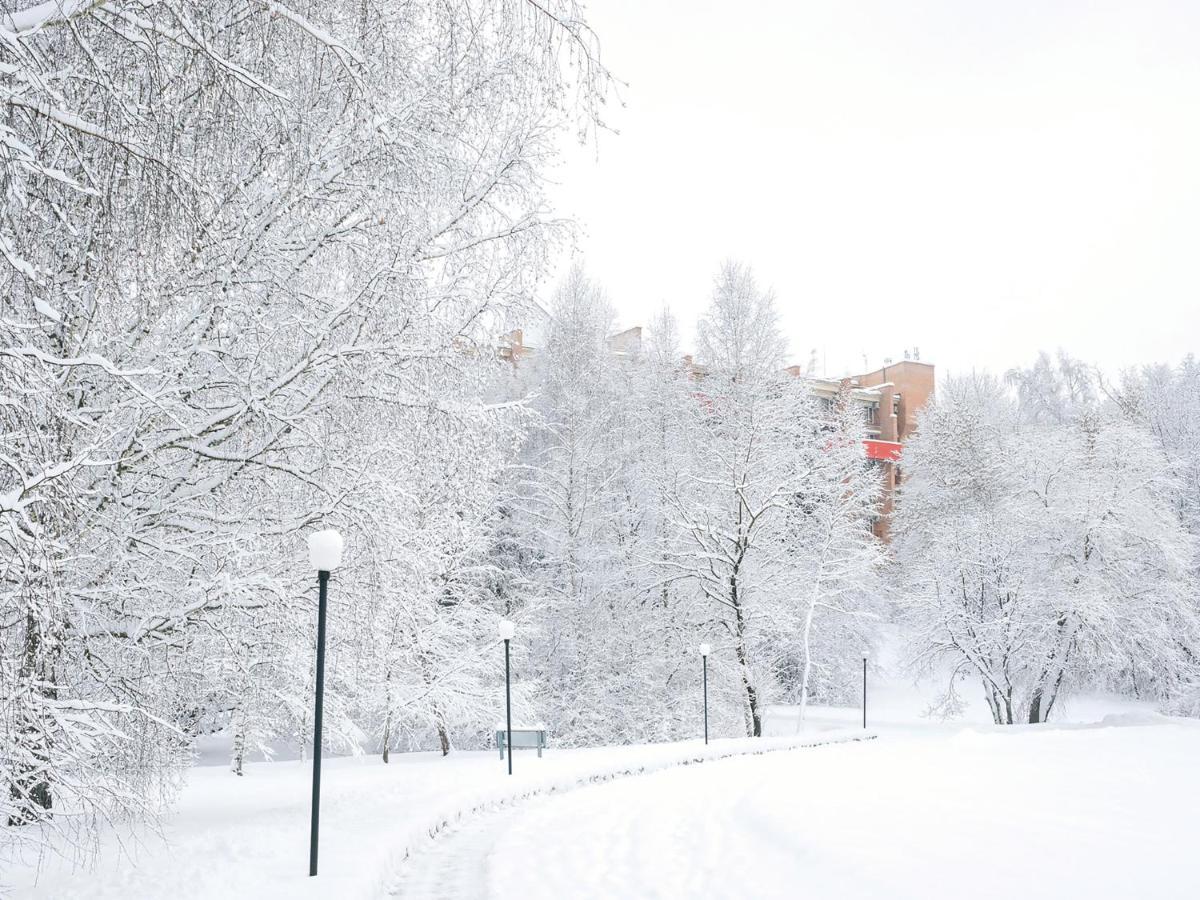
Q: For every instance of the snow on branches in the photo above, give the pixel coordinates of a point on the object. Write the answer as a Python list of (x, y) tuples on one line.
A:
[(1041, 554), (254, 259)]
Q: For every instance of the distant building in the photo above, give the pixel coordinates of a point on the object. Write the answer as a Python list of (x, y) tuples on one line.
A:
[(890, 398), (627, 343), (513, 347)]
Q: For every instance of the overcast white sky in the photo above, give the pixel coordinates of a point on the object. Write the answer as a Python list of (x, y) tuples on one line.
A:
[(978, 179)]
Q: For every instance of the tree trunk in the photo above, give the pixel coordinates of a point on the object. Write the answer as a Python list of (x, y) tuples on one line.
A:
[(30, 785), (1046, 692), (1000, 705), (387, 716), (442, 730), (753, 716), (808, 620), (1054, 690), (1042, 701), (993, 702), (239, 742), (1035, 707)]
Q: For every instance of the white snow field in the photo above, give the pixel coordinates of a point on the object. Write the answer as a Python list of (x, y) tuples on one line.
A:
[(1103, 805), (1088, 813), (248, 836)]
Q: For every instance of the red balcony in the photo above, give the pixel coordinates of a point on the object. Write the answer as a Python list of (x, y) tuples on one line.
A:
[(886, 451)]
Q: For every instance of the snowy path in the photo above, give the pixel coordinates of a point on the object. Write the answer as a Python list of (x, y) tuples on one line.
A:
[(1079, 812), (457, 864), (255, 829)]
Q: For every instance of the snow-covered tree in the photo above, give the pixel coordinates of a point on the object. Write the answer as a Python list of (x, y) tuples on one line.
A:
[(231, 233), (1054, 389), (573, 504), (426, 647), (769, 502), (1166, 401), (835, 558), (1043, 557)]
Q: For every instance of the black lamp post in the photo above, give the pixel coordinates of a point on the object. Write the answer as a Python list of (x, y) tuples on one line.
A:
[(507, 630), (325, 553), (705, 649), (864, 655)]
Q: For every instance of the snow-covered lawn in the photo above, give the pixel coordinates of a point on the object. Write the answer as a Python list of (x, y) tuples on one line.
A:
[(1101, 806), (1096, 811), (248, 837), (1073, 812)]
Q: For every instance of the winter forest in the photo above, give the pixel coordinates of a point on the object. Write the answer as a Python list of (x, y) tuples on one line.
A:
[(262, 264)]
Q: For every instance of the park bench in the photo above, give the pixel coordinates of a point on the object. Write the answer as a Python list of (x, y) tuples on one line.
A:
[(522, 737)]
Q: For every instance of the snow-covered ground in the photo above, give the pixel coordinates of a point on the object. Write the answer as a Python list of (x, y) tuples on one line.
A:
[(1101, 805), (248, 836), (1108, 812)]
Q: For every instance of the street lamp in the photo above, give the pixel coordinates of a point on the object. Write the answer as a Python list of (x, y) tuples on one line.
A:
[(705, 649), (864, 704), (507, 630), (325, 554)]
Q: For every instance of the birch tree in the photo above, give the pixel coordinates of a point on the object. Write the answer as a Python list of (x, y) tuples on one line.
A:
[(763, 456), (835, 560)]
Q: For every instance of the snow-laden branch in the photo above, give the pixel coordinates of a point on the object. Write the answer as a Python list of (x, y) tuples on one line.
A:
[(22, 23)]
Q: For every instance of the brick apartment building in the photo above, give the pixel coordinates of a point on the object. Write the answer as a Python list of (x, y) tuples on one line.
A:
[(891, 397)]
